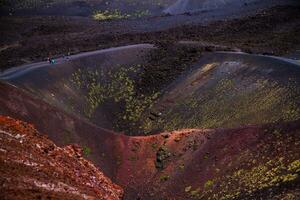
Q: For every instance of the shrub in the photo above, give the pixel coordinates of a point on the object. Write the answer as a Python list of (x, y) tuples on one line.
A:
[(109, 15), (86, 151)]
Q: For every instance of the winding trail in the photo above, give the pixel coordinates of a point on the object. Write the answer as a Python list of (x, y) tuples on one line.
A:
[(24, 69), (141, 164), (278, 58)]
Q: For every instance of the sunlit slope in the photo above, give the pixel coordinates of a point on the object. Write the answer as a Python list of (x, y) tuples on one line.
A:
[(230, 90)]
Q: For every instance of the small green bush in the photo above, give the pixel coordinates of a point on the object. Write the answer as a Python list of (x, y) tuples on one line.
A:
[(86, 151), (109, 15), (164, 177)]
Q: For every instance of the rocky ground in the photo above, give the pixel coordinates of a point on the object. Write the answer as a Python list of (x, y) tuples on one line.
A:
[(86, 161), (251, 162), (33, 167), (254, 162), (28, 39)]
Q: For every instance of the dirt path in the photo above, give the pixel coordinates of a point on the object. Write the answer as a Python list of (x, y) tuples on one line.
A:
[(21, 70), (273, 31)]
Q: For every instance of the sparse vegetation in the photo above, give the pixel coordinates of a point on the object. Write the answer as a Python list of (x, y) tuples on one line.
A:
[(178, 86), (256, 174), (116, 14), (86, 150), (226, 104), (154, 146), (267, 175), (188, 189), (164, 177), (195, 193), (109, 15), (116, 86), (208, 184), (192, 193), (162, 156), (181, 167)]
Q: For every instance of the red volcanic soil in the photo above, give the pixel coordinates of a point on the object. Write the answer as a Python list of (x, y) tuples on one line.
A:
[(199, 163), (176, 165), (255, 162), (33, 167), (62, 128), (85, 161)]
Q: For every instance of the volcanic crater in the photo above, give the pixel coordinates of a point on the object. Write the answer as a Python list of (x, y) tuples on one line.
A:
[(155, 119)]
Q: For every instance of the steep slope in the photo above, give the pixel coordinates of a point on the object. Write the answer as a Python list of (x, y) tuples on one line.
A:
[(230, 90), (107, 87), (255, 162), (221, 89), (153, 89), (244, 163), (75, 84), (62, 128), (33, 167), (208, 125)]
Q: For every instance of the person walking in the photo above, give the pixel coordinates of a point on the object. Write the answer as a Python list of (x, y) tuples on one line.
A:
[(52, 61)]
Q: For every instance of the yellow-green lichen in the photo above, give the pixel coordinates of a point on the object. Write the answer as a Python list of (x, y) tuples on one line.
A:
[(266, 175), (114, 86), (228, 104)]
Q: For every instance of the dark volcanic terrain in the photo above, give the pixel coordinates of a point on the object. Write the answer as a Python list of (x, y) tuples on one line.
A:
[(150, 99), (34, 38)]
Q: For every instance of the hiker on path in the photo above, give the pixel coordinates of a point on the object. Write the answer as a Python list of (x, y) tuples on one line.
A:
[(52, 61)]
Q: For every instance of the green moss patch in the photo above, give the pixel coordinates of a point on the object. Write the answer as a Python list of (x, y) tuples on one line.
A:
[(229, 103)]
